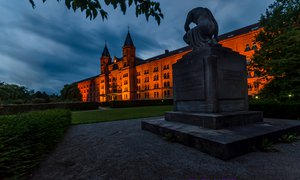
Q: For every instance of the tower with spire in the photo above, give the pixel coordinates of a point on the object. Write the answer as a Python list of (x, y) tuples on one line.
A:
[(128, 51), (105, 60)]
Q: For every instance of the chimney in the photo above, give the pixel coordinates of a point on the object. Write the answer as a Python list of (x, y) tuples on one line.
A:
[(166, 51)]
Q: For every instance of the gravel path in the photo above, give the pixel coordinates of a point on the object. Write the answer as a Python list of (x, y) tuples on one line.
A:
[(121, 150)]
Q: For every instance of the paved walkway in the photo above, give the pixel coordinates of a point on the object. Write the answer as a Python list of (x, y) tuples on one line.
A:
[(121, 150)]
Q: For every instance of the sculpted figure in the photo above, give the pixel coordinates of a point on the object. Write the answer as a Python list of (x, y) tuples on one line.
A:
[(206, 30)]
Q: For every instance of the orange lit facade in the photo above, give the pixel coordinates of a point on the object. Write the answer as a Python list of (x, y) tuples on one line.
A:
[(132, 78)]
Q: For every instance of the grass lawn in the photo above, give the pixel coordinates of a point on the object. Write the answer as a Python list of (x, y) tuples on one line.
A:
[(81, 117)]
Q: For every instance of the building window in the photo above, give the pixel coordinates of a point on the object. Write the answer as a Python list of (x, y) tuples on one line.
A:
[(102, 87), (166, 67), (138, 73), (126, 89), (167, 84), (247, 47), (166, 75), (125, 82), (155, 78), (167, 93), (146, 71), (146, 79), (249, 87), (125, 75), (156, 94), (155, 69), (256, 85), (254, 47), (138, 81), (115, 66), (139, 88), (146, 87), (156, 86)]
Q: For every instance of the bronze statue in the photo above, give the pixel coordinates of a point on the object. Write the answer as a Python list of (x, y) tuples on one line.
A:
[(206, 30)]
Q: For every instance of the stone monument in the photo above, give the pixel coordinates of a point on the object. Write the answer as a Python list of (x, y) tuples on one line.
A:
[(211, 96), (210, 83)]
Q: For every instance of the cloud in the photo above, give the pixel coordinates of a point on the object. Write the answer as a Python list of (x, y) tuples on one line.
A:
[(50, 46)]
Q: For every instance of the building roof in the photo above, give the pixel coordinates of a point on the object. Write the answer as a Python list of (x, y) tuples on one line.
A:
[(169, 53), (139, 61), (128, 40), (240, 31), (90, 78), (105, 51)]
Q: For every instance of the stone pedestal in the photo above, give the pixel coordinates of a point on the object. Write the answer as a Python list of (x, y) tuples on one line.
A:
[(210, 89)]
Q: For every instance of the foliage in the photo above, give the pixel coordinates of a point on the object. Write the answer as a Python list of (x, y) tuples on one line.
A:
[(275, 109), (288, 137), (267, 146), (16, 94), (71, 92), (170, 137), (93, 7), (41, 97), (136, 103), (27, 138), (73, 106), (81, 117), (12, 92), (278, 55)]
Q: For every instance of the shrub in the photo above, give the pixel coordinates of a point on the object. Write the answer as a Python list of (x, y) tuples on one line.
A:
[(288, 137), (27, 138), (274, 109), (73, 106), (135, 103)]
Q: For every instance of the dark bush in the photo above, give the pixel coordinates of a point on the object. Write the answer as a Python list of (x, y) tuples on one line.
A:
[(273, 109), (27, 138), (121, 104), (73, 106)]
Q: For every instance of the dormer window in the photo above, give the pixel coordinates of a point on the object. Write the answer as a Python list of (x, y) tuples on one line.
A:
[(254, 47), (247, 47)]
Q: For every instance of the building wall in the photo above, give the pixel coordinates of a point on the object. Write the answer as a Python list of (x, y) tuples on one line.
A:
[(245, 45), (153, 79), (90, 89)]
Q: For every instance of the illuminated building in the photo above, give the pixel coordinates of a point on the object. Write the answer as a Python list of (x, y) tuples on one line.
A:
[(132, 78)]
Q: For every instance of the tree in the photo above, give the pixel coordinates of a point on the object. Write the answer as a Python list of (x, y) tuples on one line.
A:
[(93, 7), (11, 93), (278, 55), (70, 92)]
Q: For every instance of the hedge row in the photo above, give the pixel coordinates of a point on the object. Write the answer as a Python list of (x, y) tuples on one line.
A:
[(289, 110), (135, 103), (27, 138), (73, 106), (271, 109)]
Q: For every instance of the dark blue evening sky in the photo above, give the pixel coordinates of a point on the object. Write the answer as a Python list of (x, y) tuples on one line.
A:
[(49, 46)]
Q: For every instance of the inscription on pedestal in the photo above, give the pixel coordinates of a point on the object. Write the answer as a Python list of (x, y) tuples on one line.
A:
[(189, 81)]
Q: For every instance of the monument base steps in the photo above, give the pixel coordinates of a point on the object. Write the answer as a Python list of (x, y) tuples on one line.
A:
[(216, 120), (225, 143)]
